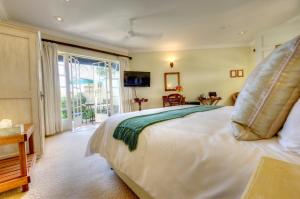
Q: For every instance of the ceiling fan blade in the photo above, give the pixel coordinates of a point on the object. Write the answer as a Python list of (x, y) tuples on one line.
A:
[(131, 33)]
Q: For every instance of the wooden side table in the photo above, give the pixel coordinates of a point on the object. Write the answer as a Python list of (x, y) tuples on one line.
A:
[(274, 179), (209, 100), (139, 101), (14, 172)]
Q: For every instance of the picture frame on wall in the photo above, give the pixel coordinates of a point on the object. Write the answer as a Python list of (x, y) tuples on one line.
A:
[(236, 73), (233, 73), (240, 73)]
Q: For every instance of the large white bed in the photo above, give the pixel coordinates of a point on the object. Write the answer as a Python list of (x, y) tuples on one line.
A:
[(191, 157)]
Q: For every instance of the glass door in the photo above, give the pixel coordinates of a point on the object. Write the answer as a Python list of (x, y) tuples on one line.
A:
[(66, 113), (115, 87), (101, 90), (107, 89), (90, 89), (75, 92)]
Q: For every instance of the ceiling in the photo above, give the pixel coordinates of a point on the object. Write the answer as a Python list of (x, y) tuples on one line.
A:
[(183, 24)]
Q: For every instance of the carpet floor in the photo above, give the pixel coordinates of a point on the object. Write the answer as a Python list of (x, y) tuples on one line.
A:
[(64, 172)]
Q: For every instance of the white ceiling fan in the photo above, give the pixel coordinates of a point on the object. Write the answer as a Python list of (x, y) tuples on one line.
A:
[(134, 34)]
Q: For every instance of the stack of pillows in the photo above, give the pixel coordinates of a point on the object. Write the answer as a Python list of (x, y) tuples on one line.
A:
[(270, 99), (289, 137)]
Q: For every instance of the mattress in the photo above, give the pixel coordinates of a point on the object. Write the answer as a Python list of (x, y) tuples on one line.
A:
[(191, 157)]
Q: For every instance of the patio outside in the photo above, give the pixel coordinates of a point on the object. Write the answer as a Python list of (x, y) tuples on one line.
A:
[(91, 92)]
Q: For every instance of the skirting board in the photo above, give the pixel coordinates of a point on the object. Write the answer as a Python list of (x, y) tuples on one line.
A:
[(140, 192)]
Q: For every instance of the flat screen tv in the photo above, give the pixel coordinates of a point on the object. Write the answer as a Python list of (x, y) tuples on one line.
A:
[(136, 79)]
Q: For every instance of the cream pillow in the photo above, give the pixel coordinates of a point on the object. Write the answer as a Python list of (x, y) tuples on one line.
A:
[(268, 94), (289, 136)]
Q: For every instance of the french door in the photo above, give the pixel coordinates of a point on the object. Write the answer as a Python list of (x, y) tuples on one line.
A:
[(101, 90), (91, 90), (75, 92), (107, 89)]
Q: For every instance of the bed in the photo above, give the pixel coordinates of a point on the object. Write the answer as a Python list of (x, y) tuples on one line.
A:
[(191, 157)]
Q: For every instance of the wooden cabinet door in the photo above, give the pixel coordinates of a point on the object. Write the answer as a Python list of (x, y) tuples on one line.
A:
[(19, 80)]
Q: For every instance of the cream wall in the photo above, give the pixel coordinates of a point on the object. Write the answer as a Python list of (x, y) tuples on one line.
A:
[(201, 71), (266, 40)]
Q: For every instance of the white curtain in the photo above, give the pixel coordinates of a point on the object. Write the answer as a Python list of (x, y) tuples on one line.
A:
[(126, 93), (53, 121)]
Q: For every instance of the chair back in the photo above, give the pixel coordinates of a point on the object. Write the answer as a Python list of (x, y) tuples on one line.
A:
[(175, 99), (234, 97)]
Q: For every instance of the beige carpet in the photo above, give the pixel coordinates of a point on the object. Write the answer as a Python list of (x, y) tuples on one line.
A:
[(64, 172)]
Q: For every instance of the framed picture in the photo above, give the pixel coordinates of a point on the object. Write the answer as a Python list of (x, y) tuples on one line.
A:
[(233, 73), (240, 73)]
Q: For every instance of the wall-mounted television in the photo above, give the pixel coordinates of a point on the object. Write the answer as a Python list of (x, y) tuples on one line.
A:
[(136, 79)]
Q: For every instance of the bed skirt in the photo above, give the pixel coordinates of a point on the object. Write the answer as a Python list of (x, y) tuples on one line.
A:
[(140, 192)]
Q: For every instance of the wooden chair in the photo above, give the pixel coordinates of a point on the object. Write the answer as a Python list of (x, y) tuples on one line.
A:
[(173, 100), (234, 97)]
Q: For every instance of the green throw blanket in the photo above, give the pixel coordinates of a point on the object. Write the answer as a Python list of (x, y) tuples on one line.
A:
[(129, 129)]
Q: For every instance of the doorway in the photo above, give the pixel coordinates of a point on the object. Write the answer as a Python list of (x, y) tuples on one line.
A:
[(90, 90)]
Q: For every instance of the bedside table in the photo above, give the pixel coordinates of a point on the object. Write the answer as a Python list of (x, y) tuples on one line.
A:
[(274, 179), (214, 100), (14, 172)]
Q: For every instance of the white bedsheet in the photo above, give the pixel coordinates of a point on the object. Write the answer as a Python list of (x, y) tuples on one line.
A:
[(191, 157)]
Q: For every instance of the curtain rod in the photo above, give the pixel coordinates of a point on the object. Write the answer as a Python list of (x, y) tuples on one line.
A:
[(86, 48)]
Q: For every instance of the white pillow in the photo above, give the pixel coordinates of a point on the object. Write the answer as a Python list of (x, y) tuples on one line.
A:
[(289, 137)]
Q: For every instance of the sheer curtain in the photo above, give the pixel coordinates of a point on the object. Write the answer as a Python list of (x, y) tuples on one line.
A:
[(126, 93), (53, 122)]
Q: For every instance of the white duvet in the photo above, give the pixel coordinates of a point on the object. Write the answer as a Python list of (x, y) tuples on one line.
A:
[(191, 157)]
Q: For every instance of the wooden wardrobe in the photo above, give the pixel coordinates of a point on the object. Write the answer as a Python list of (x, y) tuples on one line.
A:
[(21, 82)]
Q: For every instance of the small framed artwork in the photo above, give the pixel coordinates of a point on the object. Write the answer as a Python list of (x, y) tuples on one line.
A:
[(233, 73), (240, 73)]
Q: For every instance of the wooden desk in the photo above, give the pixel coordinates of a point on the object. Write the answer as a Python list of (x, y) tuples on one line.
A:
[(14, 171), (274, 179)]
